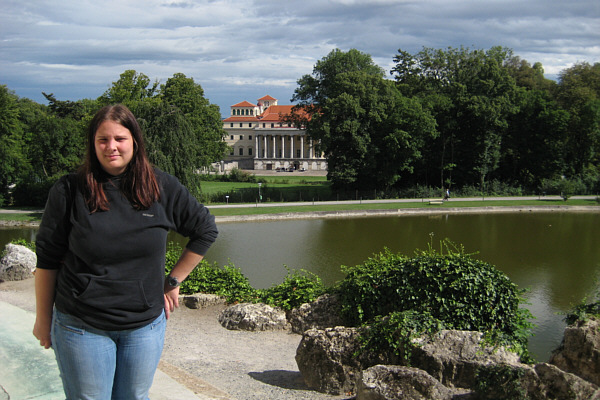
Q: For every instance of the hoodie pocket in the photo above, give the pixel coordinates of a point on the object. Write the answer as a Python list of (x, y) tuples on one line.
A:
[(106, 294)]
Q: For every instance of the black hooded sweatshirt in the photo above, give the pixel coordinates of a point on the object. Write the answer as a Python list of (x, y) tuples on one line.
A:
[(112, 263)]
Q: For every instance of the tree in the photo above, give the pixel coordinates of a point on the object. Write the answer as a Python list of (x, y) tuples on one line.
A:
[(471, 94), (129, 89), (169, 138), (579, 93), (363, 124), (12, 157), (207, 145)]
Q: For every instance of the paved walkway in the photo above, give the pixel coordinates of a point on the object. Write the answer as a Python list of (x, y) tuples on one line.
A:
[(29, 372)]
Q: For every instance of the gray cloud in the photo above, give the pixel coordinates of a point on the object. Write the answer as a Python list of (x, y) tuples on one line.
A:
[(241, 50)]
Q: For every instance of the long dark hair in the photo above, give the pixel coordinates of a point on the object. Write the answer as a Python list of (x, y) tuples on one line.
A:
[(138, 184)]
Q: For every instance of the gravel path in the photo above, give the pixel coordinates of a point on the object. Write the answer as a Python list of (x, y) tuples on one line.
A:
[(221, 364)]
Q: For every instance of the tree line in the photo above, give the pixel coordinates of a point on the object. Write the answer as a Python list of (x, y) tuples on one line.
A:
[(39, 143), (454, 118)]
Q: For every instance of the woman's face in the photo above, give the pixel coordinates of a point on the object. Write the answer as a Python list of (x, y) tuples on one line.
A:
[(114, 147)]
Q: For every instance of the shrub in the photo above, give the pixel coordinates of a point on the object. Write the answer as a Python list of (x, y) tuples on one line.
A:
[(459, 291), (583, 311), (227, 281), (298, 287), (500, 382)]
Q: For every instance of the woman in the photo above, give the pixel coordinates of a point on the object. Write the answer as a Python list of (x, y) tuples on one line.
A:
[(101, 293)]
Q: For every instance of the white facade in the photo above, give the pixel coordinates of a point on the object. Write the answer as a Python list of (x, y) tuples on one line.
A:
[(260, 139)]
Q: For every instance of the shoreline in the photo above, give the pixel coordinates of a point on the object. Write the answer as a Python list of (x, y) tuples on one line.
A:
[(392, 212)]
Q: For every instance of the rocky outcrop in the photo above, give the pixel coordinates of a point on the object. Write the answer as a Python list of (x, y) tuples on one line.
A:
[(324, 312), (202, 300), (454, 357), (253, 317), (446, 364), (326, 359), (393, 382), (17, 264), (579, 352)]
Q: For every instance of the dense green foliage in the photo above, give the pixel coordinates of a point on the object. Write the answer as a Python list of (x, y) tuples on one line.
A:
[(40, 143), (500, 382), (297, 288), (454, 118), (476, 121), (452, 289)]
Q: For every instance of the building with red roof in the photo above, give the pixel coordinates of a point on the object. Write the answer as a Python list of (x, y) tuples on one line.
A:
[(260, 137)]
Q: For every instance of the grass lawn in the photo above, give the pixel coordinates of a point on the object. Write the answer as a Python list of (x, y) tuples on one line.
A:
[(252, 209)]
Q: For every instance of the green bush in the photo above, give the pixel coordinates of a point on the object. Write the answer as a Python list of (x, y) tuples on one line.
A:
[(583, 311), (225, 281), (500, 382), (459, 291), (388, 339), (298, 287)]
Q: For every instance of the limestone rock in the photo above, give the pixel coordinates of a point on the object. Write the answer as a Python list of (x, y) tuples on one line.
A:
[(326, 359), (253, 317), (202, 300), (18, 263), (324, 312), (579, 352), (453, 357), (558, 384), (393, 382)]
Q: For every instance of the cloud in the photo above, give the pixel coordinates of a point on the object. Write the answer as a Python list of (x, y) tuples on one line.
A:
[(241, 50)]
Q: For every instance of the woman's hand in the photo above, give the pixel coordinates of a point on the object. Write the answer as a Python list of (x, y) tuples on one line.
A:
[(41, 330), (171, 299)]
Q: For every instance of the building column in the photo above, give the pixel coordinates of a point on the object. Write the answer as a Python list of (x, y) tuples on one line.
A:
[(282, 146), (292, 146), (256, 146), (311, 154), (301, 146), (265, 147), (274, 146)]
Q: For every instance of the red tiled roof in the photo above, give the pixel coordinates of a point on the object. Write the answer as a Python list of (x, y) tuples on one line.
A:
[(239, 118), (244, 104), (267, 97)]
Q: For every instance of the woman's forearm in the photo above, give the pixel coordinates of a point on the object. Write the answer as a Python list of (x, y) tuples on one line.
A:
[(45, 291)]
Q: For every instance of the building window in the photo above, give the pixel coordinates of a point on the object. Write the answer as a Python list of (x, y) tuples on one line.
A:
[(241, 124), (264, 124), (241, 151), (241, 137), (272, 125), (250, 125), (297, 153), (231, 137), (249, 137), (250, 151)]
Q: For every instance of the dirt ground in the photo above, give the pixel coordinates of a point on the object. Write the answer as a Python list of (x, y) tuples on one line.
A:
[(212, 360)]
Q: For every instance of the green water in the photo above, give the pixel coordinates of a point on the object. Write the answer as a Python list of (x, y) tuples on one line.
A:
[(554, 255)]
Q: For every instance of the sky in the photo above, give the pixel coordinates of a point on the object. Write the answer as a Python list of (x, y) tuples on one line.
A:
[(245, 49)]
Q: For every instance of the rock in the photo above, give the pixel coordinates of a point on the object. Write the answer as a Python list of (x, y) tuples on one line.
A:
[(558, 384), (253, 317), (453, 357), (393, 382), (326, 359), (579, 352), (18, 263), (202, 300), (324, 312)]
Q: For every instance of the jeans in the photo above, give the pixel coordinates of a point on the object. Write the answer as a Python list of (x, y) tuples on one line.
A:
[(104, 365)]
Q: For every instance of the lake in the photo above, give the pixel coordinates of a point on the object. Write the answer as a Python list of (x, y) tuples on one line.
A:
[(555, 255)]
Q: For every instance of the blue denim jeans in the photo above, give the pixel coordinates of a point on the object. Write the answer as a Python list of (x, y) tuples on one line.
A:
[(106, 365)]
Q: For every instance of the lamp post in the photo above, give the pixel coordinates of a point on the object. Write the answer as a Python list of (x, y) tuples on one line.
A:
[(259, 195), (227, 199)]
